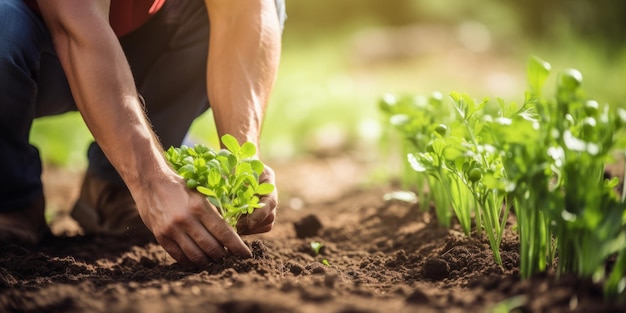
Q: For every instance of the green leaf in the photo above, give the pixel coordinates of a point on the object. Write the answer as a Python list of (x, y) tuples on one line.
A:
[(224, 153), (248, 150), (257, 166), (239, 183), (243, 168), (225, 165), (231, 143), (199, 163), (214, 178), (453, 148), (265, 189), (187, 159), (252, 204), (232, 161), (191, 152), (537, 72), (415, 163), (247, 194), (206, 191), (201, 149), (215, 163), (188, 168), (215, 202), (570, 80), (172, 155)]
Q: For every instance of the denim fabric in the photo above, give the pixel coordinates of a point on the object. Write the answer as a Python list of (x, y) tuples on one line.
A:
[(168, 60), (23, 42)]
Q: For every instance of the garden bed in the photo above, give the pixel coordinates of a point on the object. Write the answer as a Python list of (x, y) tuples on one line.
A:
[(378, 256)]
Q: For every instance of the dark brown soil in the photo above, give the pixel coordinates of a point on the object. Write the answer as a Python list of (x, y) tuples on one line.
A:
[(378, 256)]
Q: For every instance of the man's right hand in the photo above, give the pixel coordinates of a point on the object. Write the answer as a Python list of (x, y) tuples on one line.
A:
[(188, 227)]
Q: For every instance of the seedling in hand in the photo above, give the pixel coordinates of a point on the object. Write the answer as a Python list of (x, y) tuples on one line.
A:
[(229, 178)]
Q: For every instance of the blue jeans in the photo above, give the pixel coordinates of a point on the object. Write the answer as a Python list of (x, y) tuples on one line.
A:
[(168, 60)]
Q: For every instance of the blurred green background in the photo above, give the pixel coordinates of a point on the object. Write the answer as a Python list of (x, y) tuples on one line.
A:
[(339, 57)]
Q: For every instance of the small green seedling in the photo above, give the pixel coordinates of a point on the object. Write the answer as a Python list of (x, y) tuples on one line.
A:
[(316, 246), (229, 178)]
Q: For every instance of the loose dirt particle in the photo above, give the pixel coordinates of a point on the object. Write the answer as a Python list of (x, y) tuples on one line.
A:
[(436, 269), (417, 297), (309, 226)]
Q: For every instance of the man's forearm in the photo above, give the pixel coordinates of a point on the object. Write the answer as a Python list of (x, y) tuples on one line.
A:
[(242, 64), (103, 88)]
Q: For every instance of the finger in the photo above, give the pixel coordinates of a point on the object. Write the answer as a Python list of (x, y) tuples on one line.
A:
[(224, 234), (261, 227), (191, 250), (207, 243), (174, 250), (261, 216), (268, 175), (250, 221), (259, 230)]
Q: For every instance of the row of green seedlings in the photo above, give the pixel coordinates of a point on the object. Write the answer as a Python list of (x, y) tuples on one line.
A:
[(545, 159)]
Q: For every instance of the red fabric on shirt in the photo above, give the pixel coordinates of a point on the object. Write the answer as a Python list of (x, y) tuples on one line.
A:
[(125, 15)]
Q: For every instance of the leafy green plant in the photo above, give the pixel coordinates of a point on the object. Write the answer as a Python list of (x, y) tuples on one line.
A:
[(555, 165), (546, 160), (415, 119), (468, 169), (229, 178)]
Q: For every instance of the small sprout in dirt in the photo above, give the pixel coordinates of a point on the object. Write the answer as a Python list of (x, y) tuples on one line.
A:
[(325, 262), (316, 246), (229, 178)]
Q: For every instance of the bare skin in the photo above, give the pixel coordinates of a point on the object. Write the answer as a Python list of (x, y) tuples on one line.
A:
[(246, 67), (244, 53)]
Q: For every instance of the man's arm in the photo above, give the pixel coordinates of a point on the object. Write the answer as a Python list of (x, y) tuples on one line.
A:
[(244, 52), (102, 85)]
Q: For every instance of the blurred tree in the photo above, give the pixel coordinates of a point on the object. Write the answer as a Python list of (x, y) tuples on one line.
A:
[(598, 20), (603, 21), (319, 17)]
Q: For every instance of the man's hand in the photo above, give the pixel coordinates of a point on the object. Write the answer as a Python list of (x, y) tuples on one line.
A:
[(262, 219), (186, 225)]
